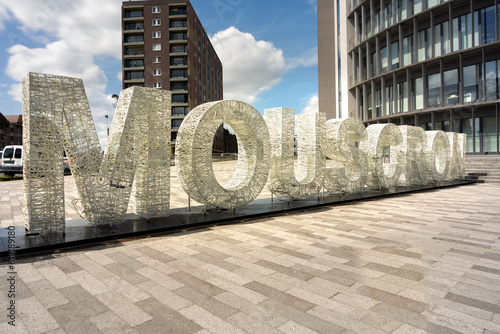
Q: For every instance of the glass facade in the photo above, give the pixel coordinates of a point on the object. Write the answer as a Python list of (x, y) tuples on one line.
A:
[(471, 83), (418, 93), (408, 50), (440, 69), (484, 25), (394, 55), (451, 87), (434, 90)]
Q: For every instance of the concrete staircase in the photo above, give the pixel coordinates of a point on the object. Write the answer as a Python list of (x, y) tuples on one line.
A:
[(483, 168)]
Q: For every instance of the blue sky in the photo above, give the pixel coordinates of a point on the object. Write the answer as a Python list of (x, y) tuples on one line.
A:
[(268, 49)]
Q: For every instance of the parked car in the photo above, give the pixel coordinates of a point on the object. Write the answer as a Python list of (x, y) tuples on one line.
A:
[(12, 160)]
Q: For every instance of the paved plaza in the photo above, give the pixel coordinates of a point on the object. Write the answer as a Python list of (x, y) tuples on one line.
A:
[(426, 262)]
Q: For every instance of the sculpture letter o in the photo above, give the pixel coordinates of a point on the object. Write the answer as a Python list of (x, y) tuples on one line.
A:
[(194, 154)]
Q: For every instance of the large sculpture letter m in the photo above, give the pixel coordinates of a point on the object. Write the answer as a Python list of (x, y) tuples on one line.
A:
[(57, 117)]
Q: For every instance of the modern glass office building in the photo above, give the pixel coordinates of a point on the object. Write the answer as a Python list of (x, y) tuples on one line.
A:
[(428, 63)]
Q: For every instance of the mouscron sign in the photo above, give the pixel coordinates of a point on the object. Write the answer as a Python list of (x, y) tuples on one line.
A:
[(137, 158)]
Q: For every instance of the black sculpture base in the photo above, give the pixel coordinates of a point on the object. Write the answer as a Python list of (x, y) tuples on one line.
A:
[(80, 232)]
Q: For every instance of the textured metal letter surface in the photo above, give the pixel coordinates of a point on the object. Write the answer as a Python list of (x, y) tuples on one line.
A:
[(340, 135), (413, 146), (311, 160), (381, 138), (57, 108), (194, 154), (438, 155)]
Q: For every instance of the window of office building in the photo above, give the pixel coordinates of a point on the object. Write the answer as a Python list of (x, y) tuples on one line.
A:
[(432, 3), (498, 19), (441, 39), (395, 55), (408, 50), (424, 47), (434, 90), (489, 132), (378, 103), (484, 25), (363, 70), (472, 81), (377, 22), (451, 87), (374, 64), (468, 128), (403, 96), (462, 32), (383, 58), (404, 9), (388, 15), (369, 104), (417, 6), (492, 80), (368, 27), (418, 93), (389, 101)]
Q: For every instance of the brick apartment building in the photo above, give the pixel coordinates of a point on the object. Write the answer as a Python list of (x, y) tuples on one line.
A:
[(11, 130), (165, 46)]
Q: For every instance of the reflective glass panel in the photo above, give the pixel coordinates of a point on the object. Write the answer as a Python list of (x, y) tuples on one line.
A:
[(434, 90), (451, 87)]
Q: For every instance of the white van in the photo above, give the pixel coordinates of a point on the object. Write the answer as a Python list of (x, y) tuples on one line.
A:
[(12, 160)]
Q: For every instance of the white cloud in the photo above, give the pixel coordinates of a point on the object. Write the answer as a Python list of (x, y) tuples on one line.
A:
[(251, 67), (3, 17), (312, 105), (307, 59), (75, 33)]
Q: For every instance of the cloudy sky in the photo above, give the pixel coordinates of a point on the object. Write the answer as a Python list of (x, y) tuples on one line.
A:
[(268, 49)]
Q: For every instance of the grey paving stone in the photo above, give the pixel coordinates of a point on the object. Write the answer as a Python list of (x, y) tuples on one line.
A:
[(280, 296), (126, 273), (68, 316), (197, 284), (160, 256), (47, 294), (81, 302), (392, 299), (286, 270), (302, 318), (400, 272), (473, 302), (126, 260), (251, 309), (164, 319), (206, 302), (66, 265)]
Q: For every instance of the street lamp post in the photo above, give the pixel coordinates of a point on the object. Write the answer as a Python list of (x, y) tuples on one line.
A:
[(107, 127)]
